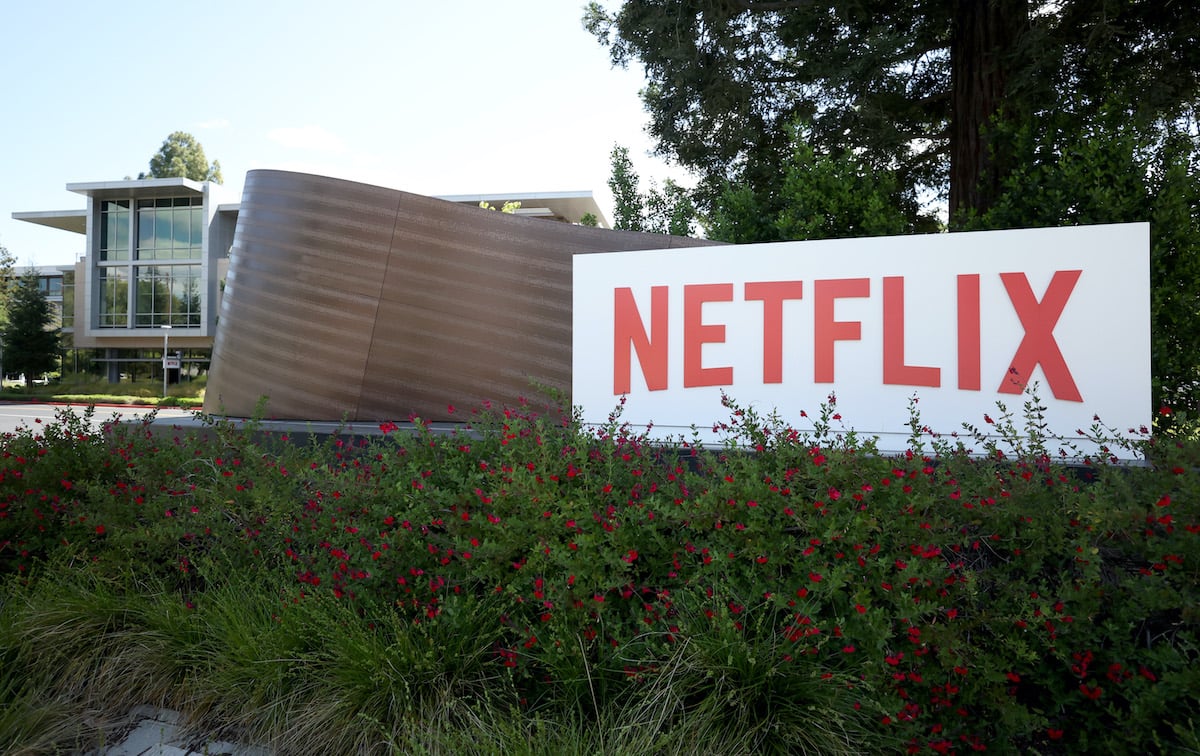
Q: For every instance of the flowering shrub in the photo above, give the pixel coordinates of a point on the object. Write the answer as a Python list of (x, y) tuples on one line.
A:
[(796, 587)]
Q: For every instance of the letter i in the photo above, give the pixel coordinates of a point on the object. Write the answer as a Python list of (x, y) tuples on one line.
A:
[(968, 332)]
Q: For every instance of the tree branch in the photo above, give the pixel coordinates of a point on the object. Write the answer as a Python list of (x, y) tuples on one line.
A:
[(751, 5)]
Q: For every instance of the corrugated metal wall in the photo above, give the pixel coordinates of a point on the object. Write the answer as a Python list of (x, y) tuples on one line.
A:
[(345, 300)]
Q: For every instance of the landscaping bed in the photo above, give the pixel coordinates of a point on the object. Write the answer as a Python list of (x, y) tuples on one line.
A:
[(531, 585)]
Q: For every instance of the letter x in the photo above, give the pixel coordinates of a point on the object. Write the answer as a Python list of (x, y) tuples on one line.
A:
[(1038, 346)]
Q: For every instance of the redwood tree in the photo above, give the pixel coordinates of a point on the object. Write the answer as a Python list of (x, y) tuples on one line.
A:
[(913, 86)]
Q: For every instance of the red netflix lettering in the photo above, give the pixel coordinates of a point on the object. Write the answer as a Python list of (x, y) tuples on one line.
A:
[(968, 332), (772, 294), (696, 334), (826, 330), (894, 369), (651, 345), (1038, 345), (629, 334)]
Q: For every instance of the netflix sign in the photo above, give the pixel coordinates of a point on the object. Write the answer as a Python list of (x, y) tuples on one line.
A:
[(961, 321)]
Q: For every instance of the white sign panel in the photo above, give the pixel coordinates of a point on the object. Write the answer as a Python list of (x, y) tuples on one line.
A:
[(961, 321)]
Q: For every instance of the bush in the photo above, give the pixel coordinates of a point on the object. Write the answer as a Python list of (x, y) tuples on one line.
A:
[(526, 584)]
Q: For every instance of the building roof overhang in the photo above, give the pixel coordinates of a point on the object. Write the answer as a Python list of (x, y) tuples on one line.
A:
[(66, 220), (570, 207), (163, 187)]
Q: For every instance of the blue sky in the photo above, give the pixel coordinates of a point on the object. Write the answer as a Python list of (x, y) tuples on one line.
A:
[(429, 97)]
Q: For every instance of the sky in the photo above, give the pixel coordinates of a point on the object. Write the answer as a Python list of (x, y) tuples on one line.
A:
[(436, 98)]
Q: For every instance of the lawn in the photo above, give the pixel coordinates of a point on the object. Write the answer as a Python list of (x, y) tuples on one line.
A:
[(88, 389)]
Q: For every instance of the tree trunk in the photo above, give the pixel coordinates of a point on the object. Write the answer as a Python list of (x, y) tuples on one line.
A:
[(985, 34)]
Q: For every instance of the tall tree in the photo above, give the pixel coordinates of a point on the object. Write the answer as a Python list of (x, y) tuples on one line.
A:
[(7, 283), (661, 211), (1076, 168), (30, 338), (816, 197), (913, 86), (181, 155)]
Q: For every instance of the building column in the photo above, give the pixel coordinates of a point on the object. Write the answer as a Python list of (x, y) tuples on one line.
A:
[(112, 367)]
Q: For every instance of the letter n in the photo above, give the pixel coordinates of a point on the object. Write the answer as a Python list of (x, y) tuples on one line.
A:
[(629, 335)]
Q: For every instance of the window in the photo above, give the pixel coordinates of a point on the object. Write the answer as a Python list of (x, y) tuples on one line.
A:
[(155, 245), (168, 295), (114, 297), (170, 228), (51, 286), (114, 230), (68, 300)]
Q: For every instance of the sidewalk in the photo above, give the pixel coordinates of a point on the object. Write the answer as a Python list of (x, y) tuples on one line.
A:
[(155, 732)]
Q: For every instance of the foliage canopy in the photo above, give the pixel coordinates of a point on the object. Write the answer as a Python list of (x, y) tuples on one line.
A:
[(30, 337), (660, 211), (7, 282), (910, 87), (815, 120), (181, 155)]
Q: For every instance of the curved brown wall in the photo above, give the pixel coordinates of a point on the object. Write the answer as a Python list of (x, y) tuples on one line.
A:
[(345, 300)]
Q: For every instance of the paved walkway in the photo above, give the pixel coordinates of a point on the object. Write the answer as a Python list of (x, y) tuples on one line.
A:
[(155, 732), (30, 414)]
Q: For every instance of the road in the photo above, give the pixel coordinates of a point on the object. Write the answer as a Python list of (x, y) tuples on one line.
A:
[(14, 415)]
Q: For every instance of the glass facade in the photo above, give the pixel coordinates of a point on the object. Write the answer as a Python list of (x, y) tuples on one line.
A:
[(114, 297), (51, 286), (68, 300), (168, 295), (155, 246), (114, 230), (170, 228)]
